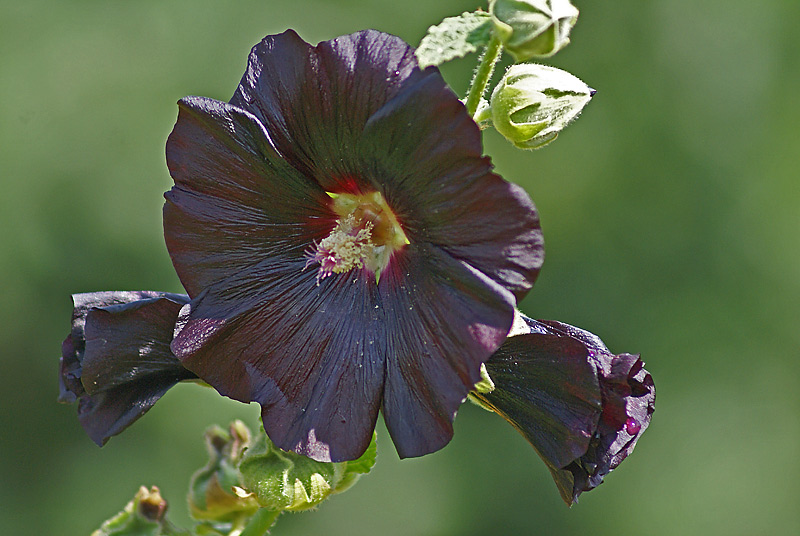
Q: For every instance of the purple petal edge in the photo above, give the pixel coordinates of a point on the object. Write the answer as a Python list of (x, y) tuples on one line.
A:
[(625, 388), (116, 362)]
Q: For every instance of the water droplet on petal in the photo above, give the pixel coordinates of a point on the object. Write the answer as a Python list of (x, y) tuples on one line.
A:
[(632, 426)]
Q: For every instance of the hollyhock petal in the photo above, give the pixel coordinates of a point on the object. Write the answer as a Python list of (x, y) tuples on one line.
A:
[(554, 327), (547, 388), (111, 411), (313, 370), (443, 190), (312, 104), (118, 358), (432, 364), (234, 199), (130, 341), (628, 405), (317, 375), (73, 347), (70, 387), (580, 364)]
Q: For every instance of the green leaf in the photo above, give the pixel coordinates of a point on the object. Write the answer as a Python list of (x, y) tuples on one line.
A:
[(364, 464), (455, 37), (360, 466)]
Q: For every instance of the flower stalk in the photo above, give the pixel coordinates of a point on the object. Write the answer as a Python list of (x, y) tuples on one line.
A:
[(483, 74), (260, 523)]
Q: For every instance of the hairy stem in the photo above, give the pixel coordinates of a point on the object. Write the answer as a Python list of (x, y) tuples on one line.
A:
[(260, 523), (483, 74)]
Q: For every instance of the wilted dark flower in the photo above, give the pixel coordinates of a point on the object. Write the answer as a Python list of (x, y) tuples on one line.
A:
[(345, 245), (580, 406), (116, 361)]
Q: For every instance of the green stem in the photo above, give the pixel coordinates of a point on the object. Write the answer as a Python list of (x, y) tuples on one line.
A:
[(168, 529), (260, 523), (238, 525), (483, 74)]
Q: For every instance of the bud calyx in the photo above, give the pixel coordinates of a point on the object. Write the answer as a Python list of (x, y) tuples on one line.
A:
[(533, 103), (533, 28)]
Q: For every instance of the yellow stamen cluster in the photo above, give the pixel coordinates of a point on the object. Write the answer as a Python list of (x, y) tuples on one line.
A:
[(347, 245), (366, 235)]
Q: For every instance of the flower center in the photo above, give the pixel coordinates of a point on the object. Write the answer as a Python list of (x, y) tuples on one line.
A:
[(365, 236)]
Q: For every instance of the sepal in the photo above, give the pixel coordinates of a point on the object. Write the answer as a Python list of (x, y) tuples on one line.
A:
[(285, 481), (532, 103)]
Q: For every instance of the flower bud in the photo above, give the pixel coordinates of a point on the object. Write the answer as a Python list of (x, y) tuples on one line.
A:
[(286, 481), (533, 28), (215, 492), (533, 103), (143, 516)]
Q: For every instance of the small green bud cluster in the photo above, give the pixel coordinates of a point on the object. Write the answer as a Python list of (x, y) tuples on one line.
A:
[(143, 516), (533, 28), (215, 492), (246, 484), (533, 103)]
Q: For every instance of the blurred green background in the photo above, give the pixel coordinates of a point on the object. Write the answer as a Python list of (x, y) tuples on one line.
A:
[(671, 212)]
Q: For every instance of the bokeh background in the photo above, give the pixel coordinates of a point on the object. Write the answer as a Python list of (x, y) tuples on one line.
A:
[(671, 211)]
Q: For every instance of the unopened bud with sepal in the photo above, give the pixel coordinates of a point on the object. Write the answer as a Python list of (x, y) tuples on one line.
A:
[(143, 516), (533, 103), (533, 28), (215, 491)]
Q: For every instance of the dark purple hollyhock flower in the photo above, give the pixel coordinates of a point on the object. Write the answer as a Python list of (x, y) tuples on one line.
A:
[(580, 406), (345, 244), (116, 361)]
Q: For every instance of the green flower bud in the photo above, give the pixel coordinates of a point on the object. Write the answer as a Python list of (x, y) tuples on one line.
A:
[(533, 103), (533, 28), (215, 492), (286, 481), (143, 516)]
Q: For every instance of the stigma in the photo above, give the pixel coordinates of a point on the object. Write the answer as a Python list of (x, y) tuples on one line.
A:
[(366, 235)]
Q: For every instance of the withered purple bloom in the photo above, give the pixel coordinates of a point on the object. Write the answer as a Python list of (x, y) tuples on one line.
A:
[(116, 361), (580, 406), (346, 246)]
